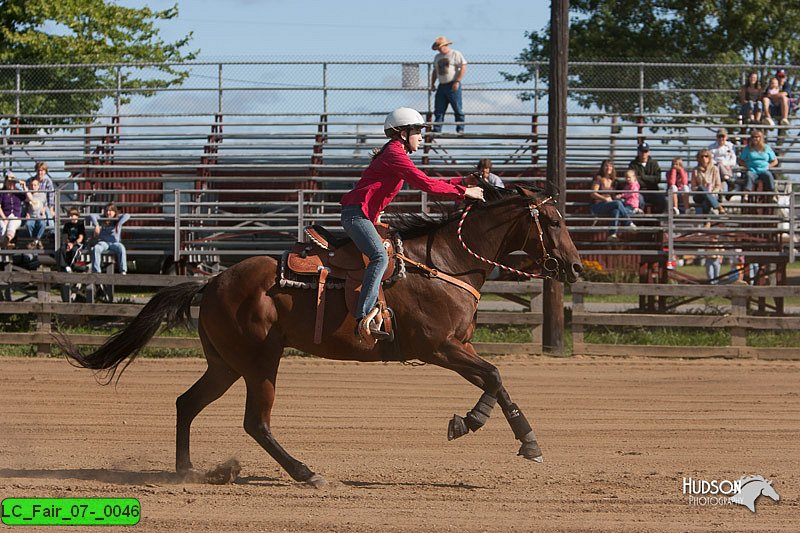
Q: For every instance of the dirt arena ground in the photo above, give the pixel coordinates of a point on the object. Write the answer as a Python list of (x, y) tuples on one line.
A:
[(618, 435)]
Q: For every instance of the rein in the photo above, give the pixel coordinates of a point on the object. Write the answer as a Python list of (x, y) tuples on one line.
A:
[(548, 263)]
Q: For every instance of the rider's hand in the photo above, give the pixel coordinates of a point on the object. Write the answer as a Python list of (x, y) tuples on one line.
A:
[(474, 193)]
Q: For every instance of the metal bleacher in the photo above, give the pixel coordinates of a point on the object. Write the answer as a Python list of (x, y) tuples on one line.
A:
[(207, 188)]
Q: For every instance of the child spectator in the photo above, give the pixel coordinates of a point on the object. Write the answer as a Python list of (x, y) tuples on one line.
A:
[(776, 101), (630, 196), (36, 217), (678, 182), (74, 234), (750, 99)]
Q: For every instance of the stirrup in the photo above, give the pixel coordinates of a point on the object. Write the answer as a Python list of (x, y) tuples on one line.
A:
[(368, 330)]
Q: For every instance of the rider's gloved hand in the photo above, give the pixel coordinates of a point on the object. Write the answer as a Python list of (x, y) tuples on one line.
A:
[(474, 193)]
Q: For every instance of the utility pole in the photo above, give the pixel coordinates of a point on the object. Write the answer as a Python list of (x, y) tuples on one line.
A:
[(553, 305)]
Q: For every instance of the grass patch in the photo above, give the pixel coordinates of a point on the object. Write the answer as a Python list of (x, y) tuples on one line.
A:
[(657, 336), (773, 339), (502, 334)]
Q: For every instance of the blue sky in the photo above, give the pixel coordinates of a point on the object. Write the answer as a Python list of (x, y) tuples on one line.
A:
[(349, 29)]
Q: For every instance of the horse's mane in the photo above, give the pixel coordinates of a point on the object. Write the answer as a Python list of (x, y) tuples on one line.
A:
[(410, 225), (745, 480)]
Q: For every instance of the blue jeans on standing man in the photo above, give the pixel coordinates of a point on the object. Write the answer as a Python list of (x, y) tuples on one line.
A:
[(446, 95), (363, 232)]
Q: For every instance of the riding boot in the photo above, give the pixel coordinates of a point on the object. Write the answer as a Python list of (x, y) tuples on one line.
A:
[(368, 330)]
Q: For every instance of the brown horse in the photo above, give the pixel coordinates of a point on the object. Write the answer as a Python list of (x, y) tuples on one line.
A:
[(247, 318)]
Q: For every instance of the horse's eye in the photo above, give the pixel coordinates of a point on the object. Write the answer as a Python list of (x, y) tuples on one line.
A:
[(556, 223)]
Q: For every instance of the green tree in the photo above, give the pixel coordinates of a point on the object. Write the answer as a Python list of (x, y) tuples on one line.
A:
[(70, 32), (743, 32)]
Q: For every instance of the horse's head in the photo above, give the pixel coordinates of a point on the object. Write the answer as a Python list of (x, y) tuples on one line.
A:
[(769, 491), (547, 240)]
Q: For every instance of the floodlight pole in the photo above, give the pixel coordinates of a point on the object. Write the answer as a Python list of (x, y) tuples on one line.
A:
[(553, 304)]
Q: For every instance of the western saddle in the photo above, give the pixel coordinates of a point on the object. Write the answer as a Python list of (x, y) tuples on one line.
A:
[(325, 255)]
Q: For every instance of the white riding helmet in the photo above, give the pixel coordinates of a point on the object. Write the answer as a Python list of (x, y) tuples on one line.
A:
[(402, 117)]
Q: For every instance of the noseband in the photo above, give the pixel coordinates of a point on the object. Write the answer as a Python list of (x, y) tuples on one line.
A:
[(547, 262)]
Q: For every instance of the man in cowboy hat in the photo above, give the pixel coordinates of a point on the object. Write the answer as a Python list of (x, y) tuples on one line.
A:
[(449, 67)]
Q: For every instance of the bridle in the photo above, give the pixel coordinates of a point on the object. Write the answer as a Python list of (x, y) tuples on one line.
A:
[(547, 262)]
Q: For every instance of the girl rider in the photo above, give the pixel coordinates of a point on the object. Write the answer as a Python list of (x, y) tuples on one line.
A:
[(390, 168)]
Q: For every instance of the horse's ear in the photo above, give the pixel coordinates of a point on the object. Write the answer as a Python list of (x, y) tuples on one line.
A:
[(523, 191)]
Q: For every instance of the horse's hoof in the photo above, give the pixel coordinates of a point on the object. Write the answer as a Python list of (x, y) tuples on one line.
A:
[(317, 481), (456, 428), (531, 451)]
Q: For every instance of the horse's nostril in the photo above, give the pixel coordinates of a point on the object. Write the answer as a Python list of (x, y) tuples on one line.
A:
[(577, 268)]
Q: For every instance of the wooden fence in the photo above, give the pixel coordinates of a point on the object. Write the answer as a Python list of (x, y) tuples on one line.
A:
[(738, 322), (34, 292)]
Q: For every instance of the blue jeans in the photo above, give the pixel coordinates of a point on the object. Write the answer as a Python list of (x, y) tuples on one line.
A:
[(365, 236), (36, 228), (117, 247), (713, 266), (751, 108), (446, 95), (615, 210), (705, 199), (766, 177)]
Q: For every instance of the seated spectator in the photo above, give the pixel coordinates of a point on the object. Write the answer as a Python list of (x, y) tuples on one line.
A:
[(678, 182), (757, 157), (47, 187), (706, 182), (776, 101), (603, 204), (36, 213), (648, 173), (74, 235), (10, 210), (750, 96), (630, 196), (723, 154), (108, 234), (485, 170)]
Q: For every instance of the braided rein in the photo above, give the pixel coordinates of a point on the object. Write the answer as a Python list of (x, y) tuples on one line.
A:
[(547, 262)]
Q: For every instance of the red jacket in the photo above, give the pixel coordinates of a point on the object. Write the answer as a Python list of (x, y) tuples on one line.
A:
[(384, 177)]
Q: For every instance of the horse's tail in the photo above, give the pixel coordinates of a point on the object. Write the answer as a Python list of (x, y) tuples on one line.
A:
[(170, 305)]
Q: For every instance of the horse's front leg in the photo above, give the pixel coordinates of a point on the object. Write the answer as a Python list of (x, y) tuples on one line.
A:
[(520, 426), (463, 359)]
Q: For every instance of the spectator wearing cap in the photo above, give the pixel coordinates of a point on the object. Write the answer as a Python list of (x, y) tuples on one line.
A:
[(750, 98), (648, 174), (449, 68), (723, 155), (776, 100)]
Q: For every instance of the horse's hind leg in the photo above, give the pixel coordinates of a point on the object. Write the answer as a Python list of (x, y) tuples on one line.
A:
[(260, 398), (217, 379)]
